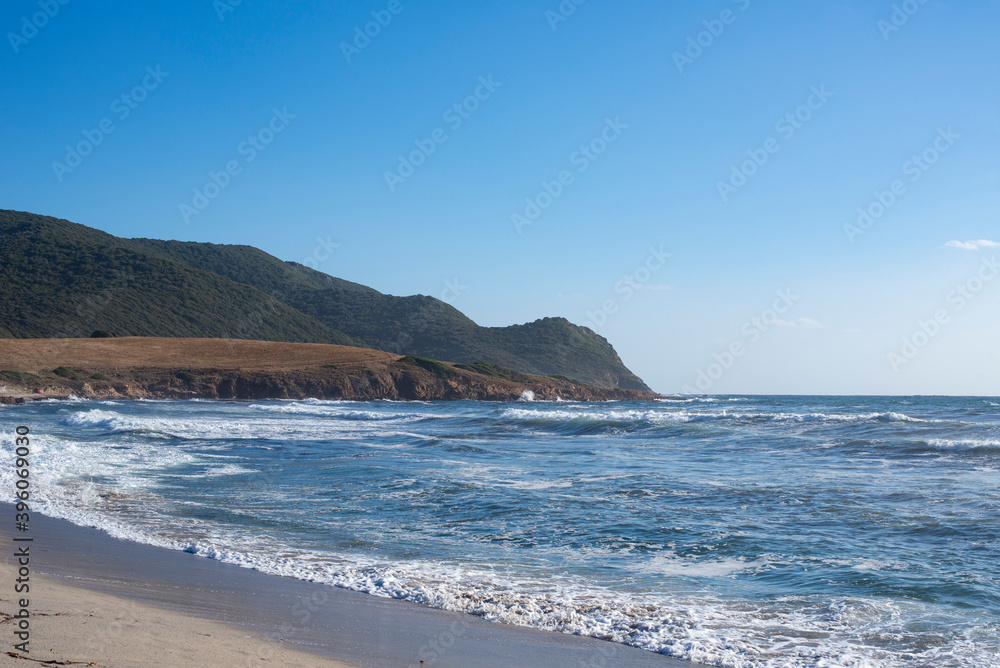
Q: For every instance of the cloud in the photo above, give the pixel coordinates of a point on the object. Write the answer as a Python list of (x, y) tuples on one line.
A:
[(973, 245)]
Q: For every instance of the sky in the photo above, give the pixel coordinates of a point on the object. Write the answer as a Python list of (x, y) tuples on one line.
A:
[(741, 196)]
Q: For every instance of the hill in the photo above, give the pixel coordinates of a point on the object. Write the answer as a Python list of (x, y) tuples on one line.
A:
[(64, 279), (176, 368), (60, 279)]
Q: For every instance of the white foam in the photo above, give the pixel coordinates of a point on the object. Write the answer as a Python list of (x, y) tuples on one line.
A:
[(698, 627), (535, 484), (672, 565), (786, 632), (202, 427), (340, 410), (693, 415), (227, 470), (964, 444), (590, 414), (91, 418), (94, 482)]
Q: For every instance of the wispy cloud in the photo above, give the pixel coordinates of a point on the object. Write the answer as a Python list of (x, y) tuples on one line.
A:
[(973, 245)]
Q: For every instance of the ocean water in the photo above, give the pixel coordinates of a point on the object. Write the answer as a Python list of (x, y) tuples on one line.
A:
[(729, 530)]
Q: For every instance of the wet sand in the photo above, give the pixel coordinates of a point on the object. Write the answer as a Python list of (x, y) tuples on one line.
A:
[(180, 609)]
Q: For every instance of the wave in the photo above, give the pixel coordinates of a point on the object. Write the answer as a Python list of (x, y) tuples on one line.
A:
[(964, 444), (782, 632), (912, 446), (341, 410), (235, 427), (889, 416), (698, 400), (116, 422), (108, 466), (633, 416), (225, 470), (591, 422)]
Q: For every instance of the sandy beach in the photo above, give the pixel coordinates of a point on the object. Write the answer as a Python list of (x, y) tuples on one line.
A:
[(105, 602), (77, 626)]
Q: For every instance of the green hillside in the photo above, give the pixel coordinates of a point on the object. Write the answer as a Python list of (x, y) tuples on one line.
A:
[(63, 279), (417, 325)]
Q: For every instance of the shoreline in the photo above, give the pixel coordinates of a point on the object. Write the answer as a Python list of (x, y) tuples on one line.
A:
[(328, 623), (72, 625)]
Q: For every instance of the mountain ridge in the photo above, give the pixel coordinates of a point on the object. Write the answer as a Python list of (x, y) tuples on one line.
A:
[(65, 279)]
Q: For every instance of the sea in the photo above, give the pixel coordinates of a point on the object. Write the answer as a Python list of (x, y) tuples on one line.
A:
[(737, 531)]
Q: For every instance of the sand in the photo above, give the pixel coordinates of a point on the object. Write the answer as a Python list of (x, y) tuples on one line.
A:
[(75, 626), (119, 603)]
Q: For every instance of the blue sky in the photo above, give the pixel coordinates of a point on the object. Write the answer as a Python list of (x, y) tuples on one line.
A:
[(647, 112)]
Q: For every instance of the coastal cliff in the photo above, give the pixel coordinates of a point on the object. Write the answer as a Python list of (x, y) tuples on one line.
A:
[(168, 368)]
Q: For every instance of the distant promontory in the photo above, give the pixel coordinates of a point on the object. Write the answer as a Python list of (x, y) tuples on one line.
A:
[(63, 280)]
